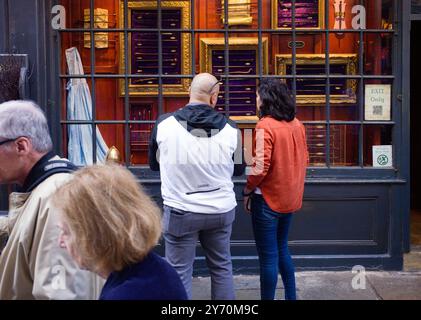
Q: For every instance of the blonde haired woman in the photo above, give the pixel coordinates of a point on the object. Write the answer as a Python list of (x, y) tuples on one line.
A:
[(110, 226)]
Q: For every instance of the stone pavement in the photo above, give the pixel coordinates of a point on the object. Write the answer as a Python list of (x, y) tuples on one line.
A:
[(333, 285)]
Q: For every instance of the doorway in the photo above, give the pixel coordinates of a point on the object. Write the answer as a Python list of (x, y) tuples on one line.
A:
[(415, 135)]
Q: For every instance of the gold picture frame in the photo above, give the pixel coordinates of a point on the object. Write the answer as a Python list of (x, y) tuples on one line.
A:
[(275, 21), (239, 12), (185, 54), (350, 60), (207, 45)]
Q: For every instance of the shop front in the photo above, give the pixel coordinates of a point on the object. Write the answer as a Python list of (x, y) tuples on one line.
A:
[(345, 61)]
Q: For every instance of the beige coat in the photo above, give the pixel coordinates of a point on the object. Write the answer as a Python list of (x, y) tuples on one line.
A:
[(32, 264)]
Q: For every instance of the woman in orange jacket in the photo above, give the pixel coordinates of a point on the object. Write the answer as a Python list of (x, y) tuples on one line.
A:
[(275, 186)]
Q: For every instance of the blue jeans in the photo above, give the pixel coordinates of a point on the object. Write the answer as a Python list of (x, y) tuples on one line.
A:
[(271, 234)]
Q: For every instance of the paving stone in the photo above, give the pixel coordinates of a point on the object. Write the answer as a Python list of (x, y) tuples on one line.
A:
[(412, 260), (396, 285), (326, 285)]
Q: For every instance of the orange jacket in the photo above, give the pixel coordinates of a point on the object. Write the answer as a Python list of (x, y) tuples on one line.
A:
[(279, 165)]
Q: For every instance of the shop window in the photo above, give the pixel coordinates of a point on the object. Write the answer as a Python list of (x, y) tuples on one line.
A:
[(139, 57), (416, 7)]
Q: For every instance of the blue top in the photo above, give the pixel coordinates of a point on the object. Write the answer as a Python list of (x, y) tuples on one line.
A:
[(151, 279)]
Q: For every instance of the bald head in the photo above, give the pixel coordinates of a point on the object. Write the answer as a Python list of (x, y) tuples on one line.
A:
[(204, 89)]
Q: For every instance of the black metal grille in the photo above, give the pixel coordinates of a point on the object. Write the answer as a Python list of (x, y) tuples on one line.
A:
[(327, 78)]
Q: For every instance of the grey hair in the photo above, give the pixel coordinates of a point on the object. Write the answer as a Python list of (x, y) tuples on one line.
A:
[(21, 118)]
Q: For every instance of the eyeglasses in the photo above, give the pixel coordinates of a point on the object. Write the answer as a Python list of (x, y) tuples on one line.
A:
[(7, 141), (213, 86)]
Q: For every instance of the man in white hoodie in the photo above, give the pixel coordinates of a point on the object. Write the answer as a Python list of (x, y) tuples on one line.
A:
[(32, 264), (199, 152)]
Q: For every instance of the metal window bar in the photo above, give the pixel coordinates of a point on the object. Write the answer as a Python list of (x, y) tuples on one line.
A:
[(126, 85), (361, 76), (327, 61), (160, 89), (260, 37), (193, 37), (92, 52), (60, 80), (226, 54), (332, 122), (321, 76), (396, 134), (210, 30), (294, 54), (361, 101)]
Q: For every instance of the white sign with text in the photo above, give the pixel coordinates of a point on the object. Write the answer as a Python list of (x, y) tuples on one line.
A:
[(377, 101)]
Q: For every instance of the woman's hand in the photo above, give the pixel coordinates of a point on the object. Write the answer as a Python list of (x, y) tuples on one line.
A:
[(247, 203), (247, 199)]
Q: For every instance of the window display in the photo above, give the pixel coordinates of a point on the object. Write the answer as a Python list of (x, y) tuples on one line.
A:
[(167, 42), (243, 57), (313, 91), (239, 12), (144, 47), (100, 22), (308, 14)]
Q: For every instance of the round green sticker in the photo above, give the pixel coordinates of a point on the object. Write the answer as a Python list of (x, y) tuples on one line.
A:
[(382, 160)]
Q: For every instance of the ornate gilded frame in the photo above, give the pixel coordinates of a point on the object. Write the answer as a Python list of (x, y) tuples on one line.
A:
[(275, 16), (351, 61), (167, 89), (207, 45), (239, 12)]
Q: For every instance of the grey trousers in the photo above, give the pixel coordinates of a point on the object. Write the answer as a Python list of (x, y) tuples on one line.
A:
[(183, 229)]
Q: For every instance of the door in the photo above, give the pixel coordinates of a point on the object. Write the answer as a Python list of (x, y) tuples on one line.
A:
[(415, 134)]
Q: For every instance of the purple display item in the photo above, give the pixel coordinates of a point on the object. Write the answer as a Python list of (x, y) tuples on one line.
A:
[(306, 13), (144, 46), (242, 91), (318, 86)]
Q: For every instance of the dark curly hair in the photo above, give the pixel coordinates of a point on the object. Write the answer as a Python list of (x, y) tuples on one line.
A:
[(276, 100)]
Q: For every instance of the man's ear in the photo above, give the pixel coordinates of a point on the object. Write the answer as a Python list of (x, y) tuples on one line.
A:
[(214, 99), (23, 145)]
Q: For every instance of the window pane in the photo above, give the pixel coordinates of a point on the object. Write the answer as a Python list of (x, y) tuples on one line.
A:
[(77, 143), (113, 135), (378, 54), (380, 13), (310, 96), (344, 145), (375, 135), (311, 112), (316, 143)]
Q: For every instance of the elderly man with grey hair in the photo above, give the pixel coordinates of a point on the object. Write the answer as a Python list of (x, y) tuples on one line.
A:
[(32, 265)]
